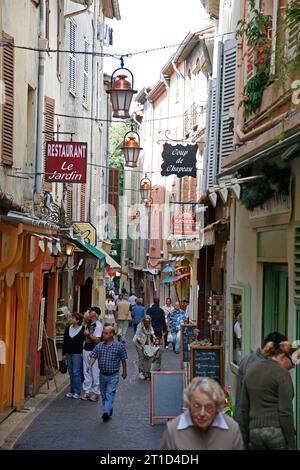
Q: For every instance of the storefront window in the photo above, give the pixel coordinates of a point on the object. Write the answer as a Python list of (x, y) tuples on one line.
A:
[(237, 336), (240, 324)]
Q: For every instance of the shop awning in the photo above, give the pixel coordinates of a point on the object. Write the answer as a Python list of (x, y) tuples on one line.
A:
[(169, 279), (137, 268), (181, 278), (109, 260), (151, 271), (92, 250), (209, 232)]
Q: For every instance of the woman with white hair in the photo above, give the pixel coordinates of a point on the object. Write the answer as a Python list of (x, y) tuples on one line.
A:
[(203, 426), (144, 341)]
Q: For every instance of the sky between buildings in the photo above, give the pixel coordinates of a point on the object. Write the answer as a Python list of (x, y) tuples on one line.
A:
[(149, 24)]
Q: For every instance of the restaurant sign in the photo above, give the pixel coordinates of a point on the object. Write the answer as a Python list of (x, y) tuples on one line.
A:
[(66, 162), (179, 160)]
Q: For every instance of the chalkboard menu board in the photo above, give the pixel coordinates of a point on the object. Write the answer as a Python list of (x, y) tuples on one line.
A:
[(187, 336), (207, 361), (166, 395)]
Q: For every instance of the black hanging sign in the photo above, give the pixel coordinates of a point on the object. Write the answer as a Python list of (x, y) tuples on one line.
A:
[(179, 160)]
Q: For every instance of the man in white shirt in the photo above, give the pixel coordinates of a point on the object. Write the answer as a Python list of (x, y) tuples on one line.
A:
[(93, 333), (132, 299), (237, 329)]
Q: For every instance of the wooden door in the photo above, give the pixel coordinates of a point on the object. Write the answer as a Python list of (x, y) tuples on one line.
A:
[(8, 307)]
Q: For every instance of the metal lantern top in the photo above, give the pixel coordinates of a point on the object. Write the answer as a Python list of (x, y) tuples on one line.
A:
[(131, 148), (121, 92)]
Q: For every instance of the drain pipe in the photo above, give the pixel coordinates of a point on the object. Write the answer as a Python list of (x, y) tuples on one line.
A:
[(40, 106)]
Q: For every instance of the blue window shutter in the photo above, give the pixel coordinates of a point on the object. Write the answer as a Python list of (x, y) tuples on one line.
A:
[(213, 134), (228, 99)]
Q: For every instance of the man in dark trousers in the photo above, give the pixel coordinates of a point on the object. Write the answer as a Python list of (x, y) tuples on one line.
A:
[(158, 319), (110, 355)]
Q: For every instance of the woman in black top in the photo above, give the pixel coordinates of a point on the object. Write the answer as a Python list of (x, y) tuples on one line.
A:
[(72, 351)]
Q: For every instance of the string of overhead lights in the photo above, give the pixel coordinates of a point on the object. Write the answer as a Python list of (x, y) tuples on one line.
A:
[(118, 56)]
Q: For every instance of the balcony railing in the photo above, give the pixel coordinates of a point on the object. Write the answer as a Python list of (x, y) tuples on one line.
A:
[(194, 119)]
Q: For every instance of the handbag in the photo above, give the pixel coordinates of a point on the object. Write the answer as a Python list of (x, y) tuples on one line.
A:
[(149, 351), (63, 367), (170, 337)]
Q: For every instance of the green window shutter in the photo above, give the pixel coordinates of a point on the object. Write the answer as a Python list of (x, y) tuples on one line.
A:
[(297, 265)]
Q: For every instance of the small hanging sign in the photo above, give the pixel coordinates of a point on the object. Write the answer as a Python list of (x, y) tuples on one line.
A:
[(179, 160)]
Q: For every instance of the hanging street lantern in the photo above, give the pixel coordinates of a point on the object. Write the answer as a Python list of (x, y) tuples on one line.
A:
[(145, 189), (121, 92), (131, 148)]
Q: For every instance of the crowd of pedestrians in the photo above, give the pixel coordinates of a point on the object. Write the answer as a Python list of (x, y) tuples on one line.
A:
[(94, 344), (94, 349)]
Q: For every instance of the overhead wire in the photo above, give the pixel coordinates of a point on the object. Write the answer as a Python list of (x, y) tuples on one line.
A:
[(117, 56), (122, 121)]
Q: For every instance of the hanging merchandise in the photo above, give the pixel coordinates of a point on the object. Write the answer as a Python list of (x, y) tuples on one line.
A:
[(179, 160)]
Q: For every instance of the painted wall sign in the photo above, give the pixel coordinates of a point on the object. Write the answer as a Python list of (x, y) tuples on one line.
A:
[(87, 232), (66, 162), (179, 160)]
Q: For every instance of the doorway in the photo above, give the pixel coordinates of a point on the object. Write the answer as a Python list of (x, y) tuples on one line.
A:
[(275, 300), (86, 295)]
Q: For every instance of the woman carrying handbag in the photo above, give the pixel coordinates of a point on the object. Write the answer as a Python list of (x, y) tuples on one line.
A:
[(72, 352)]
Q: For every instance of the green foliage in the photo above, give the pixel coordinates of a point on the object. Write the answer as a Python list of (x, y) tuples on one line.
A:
[(253, 92), (257, 34), (256, 193), (116, 156)]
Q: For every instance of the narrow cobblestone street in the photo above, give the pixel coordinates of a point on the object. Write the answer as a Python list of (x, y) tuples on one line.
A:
[(74, 424)]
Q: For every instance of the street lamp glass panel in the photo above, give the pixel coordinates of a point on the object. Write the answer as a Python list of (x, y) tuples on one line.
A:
[(131, 156), (121, 101), (69, 249)]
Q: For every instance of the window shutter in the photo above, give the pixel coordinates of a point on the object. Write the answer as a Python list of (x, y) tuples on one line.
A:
[(292, 39), (8, 105), (85, 73), (228, 99), (72, 57), (297, 265), (48, 133), (213, 147), (274, 36), (70, 202), (47, 18), (82, 202), (58, 41)]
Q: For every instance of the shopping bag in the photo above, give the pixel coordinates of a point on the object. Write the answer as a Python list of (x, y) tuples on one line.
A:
[(170, 337)]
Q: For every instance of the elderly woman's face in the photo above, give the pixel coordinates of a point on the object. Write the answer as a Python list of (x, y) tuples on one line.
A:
[(203, 409), (146, 322)]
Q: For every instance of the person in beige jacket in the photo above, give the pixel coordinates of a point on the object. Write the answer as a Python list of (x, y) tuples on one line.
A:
[(203, 426), (123, 315)]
